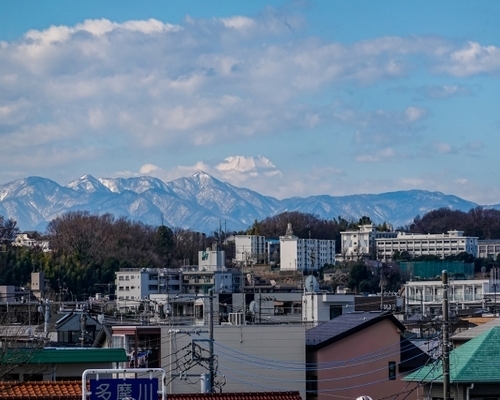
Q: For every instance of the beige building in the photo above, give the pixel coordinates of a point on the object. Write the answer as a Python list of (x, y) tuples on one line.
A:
[(418, 244)]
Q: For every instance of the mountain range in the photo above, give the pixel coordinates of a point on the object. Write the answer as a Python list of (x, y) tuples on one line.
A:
[(201, 202)]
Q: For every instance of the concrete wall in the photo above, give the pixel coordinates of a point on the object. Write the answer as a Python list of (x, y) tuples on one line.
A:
[(249, 358)]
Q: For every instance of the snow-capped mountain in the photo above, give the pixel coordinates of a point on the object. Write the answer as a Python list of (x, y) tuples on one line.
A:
[(200, 202)]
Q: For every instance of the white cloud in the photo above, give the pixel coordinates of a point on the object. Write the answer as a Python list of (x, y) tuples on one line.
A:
[(445, 91), (148, 169), (443, 148), (238, 22), (472, 59), (414, 113), (140, 86), (380, 155)]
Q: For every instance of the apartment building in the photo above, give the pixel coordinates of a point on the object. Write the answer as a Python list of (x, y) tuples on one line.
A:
[(250, 249), (417, 244), (304, 254), (134, 285)]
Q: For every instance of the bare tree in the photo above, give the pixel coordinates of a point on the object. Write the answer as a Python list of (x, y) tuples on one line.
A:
[(8, 229), (19, 344)]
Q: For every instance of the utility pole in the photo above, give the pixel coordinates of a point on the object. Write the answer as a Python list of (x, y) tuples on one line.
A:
[(211, 337), (446, 348)]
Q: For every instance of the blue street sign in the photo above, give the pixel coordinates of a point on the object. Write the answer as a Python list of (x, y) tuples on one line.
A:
[(124, 389)]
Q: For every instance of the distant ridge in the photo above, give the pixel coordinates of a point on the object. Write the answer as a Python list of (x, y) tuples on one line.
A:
[(201, 202)]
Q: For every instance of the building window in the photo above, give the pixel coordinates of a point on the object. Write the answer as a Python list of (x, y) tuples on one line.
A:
[(392, 370)]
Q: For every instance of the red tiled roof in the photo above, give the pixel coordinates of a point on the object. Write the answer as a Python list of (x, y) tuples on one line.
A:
[(72, 390), (63, 390)]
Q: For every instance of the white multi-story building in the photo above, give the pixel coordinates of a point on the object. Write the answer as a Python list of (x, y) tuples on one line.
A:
[(211, 260), (489, 248), (133, 285), (304, 254), (417, 244), (250, 249), (361, 242), (426, 297)]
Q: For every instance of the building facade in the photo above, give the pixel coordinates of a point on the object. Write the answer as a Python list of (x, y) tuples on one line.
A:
[(250, 249), (426, 297), (488, 248), (360, 242), (417, 244), (305, 254)]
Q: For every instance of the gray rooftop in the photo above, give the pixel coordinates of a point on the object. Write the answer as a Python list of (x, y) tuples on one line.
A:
[(476, 331)]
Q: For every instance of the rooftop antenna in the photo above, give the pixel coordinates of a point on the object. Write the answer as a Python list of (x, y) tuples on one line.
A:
[(220, 233)]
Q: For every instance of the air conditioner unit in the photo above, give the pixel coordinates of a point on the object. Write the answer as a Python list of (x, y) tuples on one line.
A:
[(236, 318)]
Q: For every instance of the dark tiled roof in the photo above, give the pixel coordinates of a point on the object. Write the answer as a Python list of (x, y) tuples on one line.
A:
[(72, 390), (345, 325)]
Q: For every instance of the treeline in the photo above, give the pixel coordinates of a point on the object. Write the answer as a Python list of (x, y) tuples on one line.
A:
[(477, 222), (306, 225), (87, 250)]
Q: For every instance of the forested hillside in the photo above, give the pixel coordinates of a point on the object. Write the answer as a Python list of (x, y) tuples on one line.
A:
[(87, 248)]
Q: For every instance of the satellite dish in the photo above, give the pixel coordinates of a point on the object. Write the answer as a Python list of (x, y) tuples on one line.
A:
[(100, 318), (167, 309), (311, 284), (253, 307)]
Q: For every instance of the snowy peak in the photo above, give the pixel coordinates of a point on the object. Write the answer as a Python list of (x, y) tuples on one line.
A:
[(86, 184), (200, 202), (138, 185)]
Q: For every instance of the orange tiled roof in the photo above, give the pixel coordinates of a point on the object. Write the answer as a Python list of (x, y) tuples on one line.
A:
[(63, 390), (72, 390)]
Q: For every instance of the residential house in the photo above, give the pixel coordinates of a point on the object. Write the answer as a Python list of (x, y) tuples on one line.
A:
[(474, 371), (463, 337), (359, 354), (31, 239), (50, 364), (72, 390), (74, 327)]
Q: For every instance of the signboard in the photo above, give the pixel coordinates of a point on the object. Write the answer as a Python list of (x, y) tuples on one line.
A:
[(124, 389)]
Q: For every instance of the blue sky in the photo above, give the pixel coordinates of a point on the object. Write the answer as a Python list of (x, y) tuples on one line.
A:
[(289, 98)]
